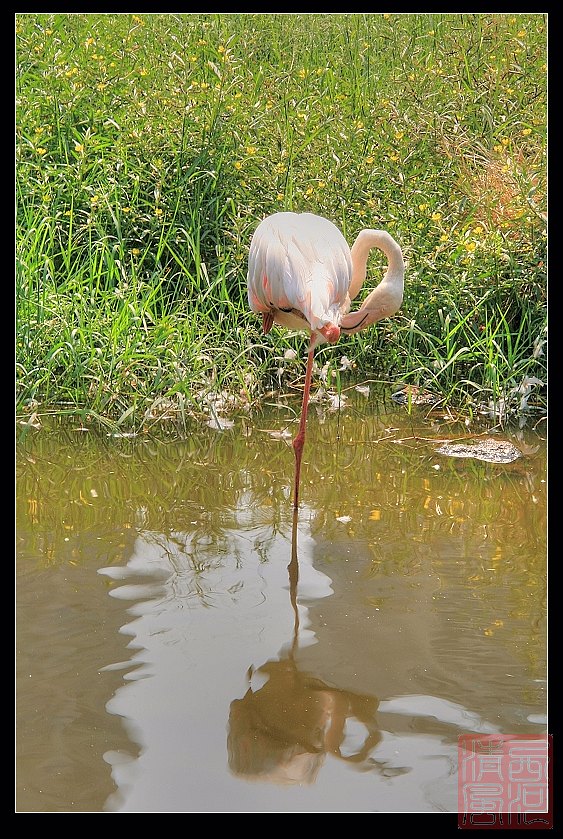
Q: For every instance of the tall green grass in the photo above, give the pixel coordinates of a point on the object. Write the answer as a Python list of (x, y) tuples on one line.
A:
[(150, 146)]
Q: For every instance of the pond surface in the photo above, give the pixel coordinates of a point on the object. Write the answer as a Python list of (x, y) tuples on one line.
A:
[(185, 644)]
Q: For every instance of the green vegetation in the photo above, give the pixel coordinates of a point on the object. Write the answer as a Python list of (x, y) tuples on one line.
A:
[(149, 147)]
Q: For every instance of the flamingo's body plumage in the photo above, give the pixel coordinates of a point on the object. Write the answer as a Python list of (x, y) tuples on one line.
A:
[(303, 275), (299, 270)]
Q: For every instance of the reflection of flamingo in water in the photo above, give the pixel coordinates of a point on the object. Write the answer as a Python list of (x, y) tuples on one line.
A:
[(302, 275), (282, 731)]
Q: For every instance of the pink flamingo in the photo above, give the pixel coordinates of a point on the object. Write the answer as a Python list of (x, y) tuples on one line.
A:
[(303, 275)]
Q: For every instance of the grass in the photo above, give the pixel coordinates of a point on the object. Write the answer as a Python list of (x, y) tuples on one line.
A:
[(149, 147)]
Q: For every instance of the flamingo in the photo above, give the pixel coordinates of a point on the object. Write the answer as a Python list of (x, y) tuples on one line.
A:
[(303, 275)]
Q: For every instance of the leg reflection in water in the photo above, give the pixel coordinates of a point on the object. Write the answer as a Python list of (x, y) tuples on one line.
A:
[(282, 731)]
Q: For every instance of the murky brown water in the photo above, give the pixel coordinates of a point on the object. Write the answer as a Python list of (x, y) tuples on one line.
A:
[(182, 647)]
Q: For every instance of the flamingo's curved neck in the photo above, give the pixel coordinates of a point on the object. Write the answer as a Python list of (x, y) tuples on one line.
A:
[(365, 241)]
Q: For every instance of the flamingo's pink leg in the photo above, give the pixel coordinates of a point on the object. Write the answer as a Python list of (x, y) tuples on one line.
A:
[(299, 441)]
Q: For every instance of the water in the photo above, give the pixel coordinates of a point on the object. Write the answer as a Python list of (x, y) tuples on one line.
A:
[(184, 644)]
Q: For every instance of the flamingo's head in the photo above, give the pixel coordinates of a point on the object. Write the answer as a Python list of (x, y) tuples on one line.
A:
[(330, 332)]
